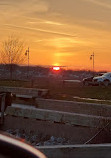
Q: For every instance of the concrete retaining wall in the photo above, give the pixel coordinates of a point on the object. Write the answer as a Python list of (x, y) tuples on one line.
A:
[(76, 107), (26, 91), (60, 117), (77, 151), (78, 128), (75, 134)]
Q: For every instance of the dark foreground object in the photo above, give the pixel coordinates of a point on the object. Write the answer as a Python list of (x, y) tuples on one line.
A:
[(11, 148), (7, 100)]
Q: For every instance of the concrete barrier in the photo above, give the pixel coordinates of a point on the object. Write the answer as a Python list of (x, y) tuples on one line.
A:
[(77, 151), (74, 134), (75, 107), (25, 91), (60, 117)]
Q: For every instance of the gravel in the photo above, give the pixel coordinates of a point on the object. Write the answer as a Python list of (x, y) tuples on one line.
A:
[(37, 139)]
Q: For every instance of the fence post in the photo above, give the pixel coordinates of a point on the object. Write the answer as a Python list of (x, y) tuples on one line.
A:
[(2, 108)]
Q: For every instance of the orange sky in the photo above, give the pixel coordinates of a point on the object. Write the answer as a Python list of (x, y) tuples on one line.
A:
[(61, 32)]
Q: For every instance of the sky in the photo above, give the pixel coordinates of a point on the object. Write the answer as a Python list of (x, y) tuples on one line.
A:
[(61, 32)]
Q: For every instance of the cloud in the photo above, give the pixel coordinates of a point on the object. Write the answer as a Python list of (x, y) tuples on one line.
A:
[(33, 6), (38, 20), (53, 23), (65, 42), (24, 7), (3, 4), (104, 4), (40, 30)]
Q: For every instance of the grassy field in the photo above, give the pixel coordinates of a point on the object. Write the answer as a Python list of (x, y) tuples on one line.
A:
[(14, 83), (75, 91), (72, 91)]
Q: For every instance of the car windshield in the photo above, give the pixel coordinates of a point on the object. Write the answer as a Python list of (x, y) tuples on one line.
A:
[(51, 52), (106, 74)]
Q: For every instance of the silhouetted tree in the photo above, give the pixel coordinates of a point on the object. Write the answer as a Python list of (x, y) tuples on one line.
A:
[(12, 52)]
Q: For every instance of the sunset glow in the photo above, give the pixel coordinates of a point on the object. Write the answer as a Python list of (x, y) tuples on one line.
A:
[(66, 32), (56, 68)]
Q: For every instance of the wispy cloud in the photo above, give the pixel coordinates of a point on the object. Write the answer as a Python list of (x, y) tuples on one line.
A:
[(36, 20), (64, 42), (53, 23), (24, 7), (40, 30), (3, 4), (100, 3)]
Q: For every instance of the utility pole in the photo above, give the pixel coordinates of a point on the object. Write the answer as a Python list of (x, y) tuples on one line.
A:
[(92, 58), (27, 54), (10, 61)]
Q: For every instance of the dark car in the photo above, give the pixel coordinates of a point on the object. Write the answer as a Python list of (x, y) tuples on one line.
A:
[(88, 81)]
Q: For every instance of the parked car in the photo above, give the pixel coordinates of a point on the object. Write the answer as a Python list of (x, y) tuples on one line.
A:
[(105, 79), (88, 81)]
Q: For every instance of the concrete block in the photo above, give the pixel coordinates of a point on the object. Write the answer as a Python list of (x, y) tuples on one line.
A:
[(77, 151), (75, 107), (60, 117), (25, 91)]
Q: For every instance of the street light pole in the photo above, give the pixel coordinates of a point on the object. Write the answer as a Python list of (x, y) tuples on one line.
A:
[(27, 54), (92, 58)]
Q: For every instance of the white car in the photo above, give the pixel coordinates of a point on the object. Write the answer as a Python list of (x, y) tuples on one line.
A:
[(105, 79)]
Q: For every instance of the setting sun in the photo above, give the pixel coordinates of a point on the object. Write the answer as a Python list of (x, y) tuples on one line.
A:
[(56, 68)]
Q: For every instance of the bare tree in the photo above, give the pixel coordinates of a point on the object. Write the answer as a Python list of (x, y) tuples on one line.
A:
[(12, 52)]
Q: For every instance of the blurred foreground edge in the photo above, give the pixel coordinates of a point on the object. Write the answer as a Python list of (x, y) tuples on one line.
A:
[(11, 148)]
